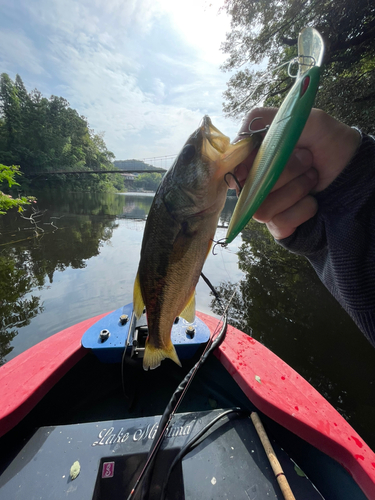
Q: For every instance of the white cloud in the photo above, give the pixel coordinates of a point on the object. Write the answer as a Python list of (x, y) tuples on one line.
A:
[(200, 24), (142, 71), (17, 50)]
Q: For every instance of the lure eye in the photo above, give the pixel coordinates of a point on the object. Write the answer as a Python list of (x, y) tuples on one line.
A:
[(188, 152)]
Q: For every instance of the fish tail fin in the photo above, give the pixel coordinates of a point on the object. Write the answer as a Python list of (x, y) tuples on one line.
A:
[(153, 356), (138, 302)]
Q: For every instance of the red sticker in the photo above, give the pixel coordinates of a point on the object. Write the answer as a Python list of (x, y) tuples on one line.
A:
[(305, 85), (108, 469)]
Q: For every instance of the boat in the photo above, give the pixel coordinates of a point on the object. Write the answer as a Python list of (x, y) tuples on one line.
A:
[(79, 417)]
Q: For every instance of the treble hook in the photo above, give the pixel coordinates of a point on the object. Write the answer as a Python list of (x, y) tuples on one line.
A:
[(252, 132), (222, 242)]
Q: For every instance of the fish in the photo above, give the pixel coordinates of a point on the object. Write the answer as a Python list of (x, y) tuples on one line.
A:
[(179, 232)]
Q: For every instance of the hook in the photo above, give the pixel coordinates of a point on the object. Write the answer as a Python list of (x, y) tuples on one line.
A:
[(222, 242), (303, 63), (251, 131), (301, 60)]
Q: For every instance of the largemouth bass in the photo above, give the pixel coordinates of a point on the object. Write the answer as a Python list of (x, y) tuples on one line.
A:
[(179, 232)]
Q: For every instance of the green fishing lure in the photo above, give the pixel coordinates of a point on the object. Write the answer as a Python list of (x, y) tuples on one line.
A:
[(283, 134)]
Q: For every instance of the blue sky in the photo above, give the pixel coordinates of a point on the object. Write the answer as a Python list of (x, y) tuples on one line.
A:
[(144, 72)]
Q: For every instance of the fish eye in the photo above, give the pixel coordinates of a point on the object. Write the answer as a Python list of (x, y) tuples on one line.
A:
[(188, 152)]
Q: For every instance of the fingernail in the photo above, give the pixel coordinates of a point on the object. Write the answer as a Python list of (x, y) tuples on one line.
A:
[(304, 156)]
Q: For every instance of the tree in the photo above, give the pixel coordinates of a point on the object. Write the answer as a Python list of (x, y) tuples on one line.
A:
[(10, 110), (268, 30), (148, 181), (43, 135)]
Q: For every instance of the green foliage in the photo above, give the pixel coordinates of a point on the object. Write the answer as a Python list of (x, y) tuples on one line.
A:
[(268, 30), (147, 181), (44, 135), (7, 175)]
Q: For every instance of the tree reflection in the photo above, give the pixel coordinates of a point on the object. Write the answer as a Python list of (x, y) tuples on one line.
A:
[(282, 303), (16, 310), (137, 207), (281, 299), (29, 257), (267, 301)]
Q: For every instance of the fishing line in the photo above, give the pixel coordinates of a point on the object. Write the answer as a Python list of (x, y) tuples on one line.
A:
[(261, 80), (215, 341), (295, 60), (127, 342)]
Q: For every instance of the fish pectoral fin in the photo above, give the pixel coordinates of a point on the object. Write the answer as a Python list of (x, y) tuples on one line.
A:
[(138, 302), (189, 311), (153, 356)]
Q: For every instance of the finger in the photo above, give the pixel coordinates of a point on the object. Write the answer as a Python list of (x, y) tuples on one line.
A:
[(332, 144), (300, 162), (284, 224), (264, 116), (287, 196)]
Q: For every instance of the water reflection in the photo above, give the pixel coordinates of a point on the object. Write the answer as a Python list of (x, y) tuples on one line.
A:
[(16, 311), (85, 264), (30, 254), (69, 230)]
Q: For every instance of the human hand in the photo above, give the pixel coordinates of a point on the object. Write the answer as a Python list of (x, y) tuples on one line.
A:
[(322, 152)]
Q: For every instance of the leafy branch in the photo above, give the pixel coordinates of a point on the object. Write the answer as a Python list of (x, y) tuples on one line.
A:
[(8, 175)]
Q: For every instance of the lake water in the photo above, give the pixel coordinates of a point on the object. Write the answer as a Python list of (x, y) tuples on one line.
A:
[(81, 257)]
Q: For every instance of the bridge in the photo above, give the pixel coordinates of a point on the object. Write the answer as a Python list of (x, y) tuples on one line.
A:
[(163, 162), (84, 172)]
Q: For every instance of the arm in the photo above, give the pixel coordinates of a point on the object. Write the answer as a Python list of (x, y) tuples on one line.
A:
[(339, 240), (323, 207)]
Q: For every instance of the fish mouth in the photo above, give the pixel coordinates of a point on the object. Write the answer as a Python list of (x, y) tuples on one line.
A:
[(216, 139), (217, 148)]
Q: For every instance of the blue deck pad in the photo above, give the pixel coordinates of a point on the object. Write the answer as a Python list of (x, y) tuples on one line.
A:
[(111, 350)]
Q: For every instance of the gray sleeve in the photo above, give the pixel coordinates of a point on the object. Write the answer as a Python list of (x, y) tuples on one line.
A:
[(339, 240)]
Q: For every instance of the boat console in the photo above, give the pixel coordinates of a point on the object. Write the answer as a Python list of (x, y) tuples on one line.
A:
[(228, 463)]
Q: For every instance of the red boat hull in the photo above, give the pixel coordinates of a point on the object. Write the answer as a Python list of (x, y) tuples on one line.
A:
[(269, 383)]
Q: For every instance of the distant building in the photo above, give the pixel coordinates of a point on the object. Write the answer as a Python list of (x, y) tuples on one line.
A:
[(128, 177)]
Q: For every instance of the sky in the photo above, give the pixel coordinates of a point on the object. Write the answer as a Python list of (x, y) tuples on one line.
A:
[(144, 72)]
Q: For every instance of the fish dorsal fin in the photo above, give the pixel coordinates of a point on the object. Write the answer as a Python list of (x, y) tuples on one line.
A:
[(189, 311), (138, 302), (154, 356)]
